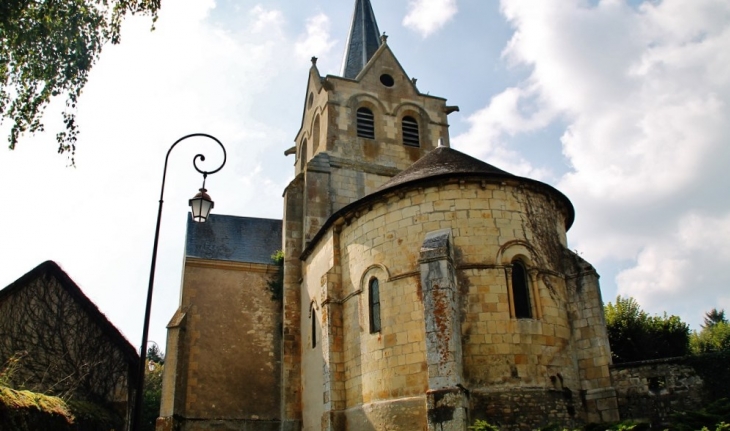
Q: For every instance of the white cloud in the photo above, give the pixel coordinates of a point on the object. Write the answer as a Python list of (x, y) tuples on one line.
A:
[(427, 16), (266, 20), (316, 41), (506, 115), (642, 94), (679, 271)]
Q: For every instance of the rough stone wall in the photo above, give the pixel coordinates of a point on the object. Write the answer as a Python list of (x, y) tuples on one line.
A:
[(232, 339), (650, 390), (525, 408)]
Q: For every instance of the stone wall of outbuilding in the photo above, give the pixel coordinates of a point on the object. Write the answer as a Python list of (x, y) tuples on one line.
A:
[(651, 390)]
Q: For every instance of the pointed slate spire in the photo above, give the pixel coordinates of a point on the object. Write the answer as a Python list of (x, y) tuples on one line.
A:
[(363, 41)]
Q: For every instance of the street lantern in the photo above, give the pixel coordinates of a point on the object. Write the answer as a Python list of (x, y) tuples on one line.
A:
[(200, 205)]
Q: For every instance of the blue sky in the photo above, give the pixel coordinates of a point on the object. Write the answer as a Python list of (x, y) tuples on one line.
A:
[(623, 106)]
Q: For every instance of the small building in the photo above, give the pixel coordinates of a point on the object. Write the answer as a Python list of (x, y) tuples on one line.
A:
[(64, 344)]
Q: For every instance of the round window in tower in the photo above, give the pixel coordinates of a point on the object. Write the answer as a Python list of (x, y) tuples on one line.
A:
[(387, 80)]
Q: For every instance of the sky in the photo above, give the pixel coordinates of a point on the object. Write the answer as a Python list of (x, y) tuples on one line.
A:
[(621, 105)]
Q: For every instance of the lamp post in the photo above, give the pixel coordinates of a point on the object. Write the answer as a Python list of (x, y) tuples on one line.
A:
[(200, 204)]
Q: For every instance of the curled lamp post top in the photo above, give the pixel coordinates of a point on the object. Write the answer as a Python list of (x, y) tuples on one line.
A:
[(197, 157)]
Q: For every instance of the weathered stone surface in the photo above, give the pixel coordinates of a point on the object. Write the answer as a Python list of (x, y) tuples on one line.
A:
[(651, 390), (225, 350)]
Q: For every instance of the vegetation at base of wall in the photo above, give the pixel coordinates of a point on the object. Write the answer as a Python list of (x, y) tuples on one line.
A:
[(8, 369), (480, 425), (613, 426), (715, 416), (634, 335), (275, 284), (30, 411)]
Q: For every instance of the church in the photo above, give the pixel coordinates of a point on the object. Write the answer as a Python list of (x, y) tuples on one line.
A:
[(419, 288)]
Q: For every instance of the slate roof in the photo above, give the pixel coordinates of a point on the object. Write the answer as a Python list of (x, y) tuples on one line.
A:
[(50, 268), (444, 161), (447, 162), (363, 40), (235, 239)]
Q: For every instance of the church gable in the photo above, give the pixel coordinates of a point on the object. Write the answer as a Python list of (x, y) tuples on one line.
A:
[(385, 72)]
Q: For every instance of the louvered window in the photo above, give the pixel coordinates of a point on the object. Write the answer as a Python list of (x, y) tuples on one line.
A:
[(365, 123), (410, 132), (520, 291), (374, 302)]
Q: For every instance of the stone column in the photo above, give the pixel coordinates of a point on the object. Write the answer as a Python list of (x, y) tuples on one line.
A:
[(593, 353), (446, 400), (332, 343), (291, 402)]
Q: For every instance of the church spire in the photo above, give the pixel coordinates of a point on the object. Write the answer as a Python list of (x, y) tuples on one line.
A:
[(363, 41)]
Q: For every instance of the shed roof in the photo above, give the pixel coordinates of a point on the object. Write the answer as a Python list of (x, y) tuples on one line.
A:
[(235, 239)]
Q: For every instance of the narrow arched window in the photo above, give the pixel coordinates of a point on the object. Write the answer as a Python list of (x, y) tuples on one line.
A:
[(303, 156), (520, 291), (374, 305), (314, 329), (315, 135), (365, 123), (410, 132)]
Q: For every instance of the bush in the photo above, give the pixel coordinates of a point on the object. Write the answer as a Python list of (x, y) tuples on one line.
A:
[(716, 416), (480, 425), (636, 336)]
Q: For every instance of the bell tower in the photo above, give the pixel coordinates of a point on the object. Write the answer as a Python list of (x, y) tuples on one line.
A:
[(361, 128), (358, 130)]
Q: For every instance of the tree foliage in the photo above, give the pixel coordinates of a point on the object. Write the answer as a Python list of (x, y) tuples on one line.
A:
[(714, 317), (636, 336), (47, 48), (714, 336), (155, 355), (152, 396)]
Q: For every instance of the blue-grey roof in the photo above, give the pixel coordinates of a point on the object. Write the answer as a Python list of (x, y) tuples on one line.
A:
[(363, 41), (236, 239)]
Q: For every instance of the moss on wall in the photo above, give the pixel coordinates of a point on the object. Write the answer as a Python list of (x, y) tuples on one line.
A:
[(30, 411)]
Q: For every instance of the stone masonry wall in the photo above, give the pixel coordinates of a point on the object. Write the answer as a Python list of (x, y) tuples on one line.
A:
[(232, 336), (534, 356), (650, 390), (526, 409)]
